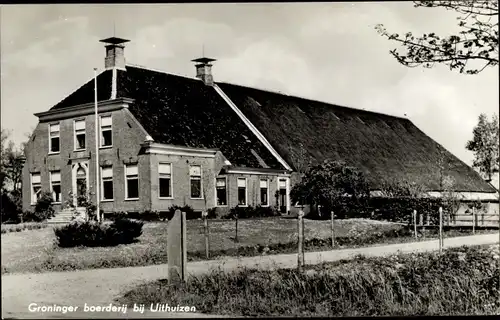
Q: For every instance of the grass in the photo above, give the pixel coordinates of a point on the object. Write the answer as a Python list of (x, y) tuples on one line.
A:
[(6, 228), (461, 281), (35, 251)]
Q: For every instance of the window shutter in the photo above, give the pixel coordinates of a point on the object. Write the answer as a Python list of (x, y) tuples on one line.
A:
[(282, 184), (195, 171), (80, 125), (55, 176), (107, 172), (105, 121), (54, 128), (221, 182), (242, 183), (131, 170), (164, 168), (35, 178)]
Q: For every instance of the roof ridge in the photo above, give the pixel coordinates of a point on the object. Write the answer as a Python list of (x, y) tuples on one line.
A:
[(133, 65), (314, 100)]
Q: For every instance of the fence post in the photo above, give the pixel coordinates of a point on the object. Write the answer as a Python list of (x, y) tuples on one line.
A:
[(300, 256), (332, 216), (415, 223), (236, 235), (473, 220), (440, 229), (205, 222)]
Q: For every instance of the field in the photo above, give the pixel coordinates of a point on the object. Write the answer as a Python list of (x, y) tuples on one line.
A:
[(461, 281), (35, 250)]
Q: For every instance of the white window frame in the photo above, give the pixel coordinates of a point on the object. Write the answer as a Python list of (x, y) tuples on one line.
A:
[(51, 186), (260, 188), (57, 136), (201, 181), (75, 134), (171, 180), (102, 184), (126, 181), (32, 190), (101, 138), (215, 189), (238, 193)]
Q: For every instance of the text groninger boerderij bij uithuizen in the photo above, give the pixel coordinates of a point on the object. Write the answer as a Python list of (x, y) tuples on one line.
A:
[(137, 307)]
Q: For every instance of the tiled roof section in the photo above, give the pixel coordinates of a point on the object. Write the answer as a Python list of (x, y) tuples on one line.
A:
[(184, 111), (384, 147), (85, 94)]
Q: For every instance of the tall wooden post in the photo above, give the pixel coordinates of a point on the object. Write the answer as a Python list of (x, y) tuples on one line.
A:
[(236, 227), (440, 229), (473, 220), (415, 223), (176, 248), (332, 217), (300, 256), (207, 244)]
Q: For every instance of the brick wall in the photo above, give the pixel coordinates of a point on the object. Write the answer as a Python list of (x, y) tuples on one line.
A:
[(127, 137)]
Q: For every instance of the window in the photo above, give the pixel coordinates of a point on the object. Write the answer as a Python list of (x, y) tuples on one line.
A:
[(36, 187), (79, 134), (55, 185), (132, 183), (242, 191), (107, 183), (54, 138), (195, 178), (221, 191), (165, 183), (106, 131), (264, 192)]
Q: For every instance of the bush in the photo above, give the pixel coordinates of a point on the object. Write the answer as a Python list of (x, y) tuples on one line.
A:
[(251, 212), (212, 213), (43, 208), (9, 209), (33, 216), (94, 234), (6, 228), (190, 213)]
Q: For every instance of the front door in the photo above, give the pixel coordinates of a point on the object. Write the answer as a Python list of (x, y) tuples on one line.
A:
[(80, 183)]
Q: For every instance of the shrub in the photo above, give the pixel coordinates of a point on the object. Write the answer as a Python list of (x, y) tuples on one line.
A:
[(251, 212), (43, 209), (149, 215), (190, 213), (212, 213), (116, 215), (9, 209), (94, 234), (6, 228)]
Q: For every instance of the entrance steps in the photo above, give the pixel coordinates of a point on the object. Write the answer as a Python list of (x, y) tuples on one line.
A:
[(65, 216)]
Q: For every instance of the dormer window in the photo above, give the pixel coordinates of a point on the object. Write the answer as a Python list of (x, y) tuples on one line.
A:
[(54, 138), (79, 134)]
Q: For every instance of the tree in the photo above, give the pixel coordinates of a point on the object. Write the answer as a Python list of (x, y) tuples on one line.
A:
[(484, 144), (470, 51), (330, 184)]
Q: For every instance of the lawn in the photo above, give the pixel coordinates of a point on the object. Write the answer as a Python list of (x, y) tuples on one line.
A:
[(461, 281), (35, 250)]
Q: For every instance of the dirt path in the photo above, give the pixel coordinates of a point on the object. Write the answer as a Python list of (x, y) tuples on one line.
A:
[(102, 286)]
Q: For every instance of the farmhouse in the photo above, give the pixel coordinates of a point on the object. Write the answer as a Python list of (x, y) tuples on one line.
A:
[(166, 140)]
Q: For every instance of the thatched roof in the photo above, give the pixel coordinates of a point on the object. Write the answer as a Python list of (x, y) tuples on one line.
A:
[(183, 111), (384, 147)]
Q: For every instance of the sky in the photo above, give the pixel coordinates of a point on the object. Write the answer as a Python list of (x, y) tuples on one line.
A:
[(324, 51)]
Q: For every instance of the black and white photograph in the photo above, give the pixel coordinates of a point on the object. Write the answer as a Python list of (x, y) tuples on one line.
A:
[(249, 159)]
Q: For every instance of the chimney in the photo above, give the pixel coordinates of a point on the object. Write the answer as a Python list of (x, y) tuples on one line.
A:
[(204, 70), (115, 57)]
